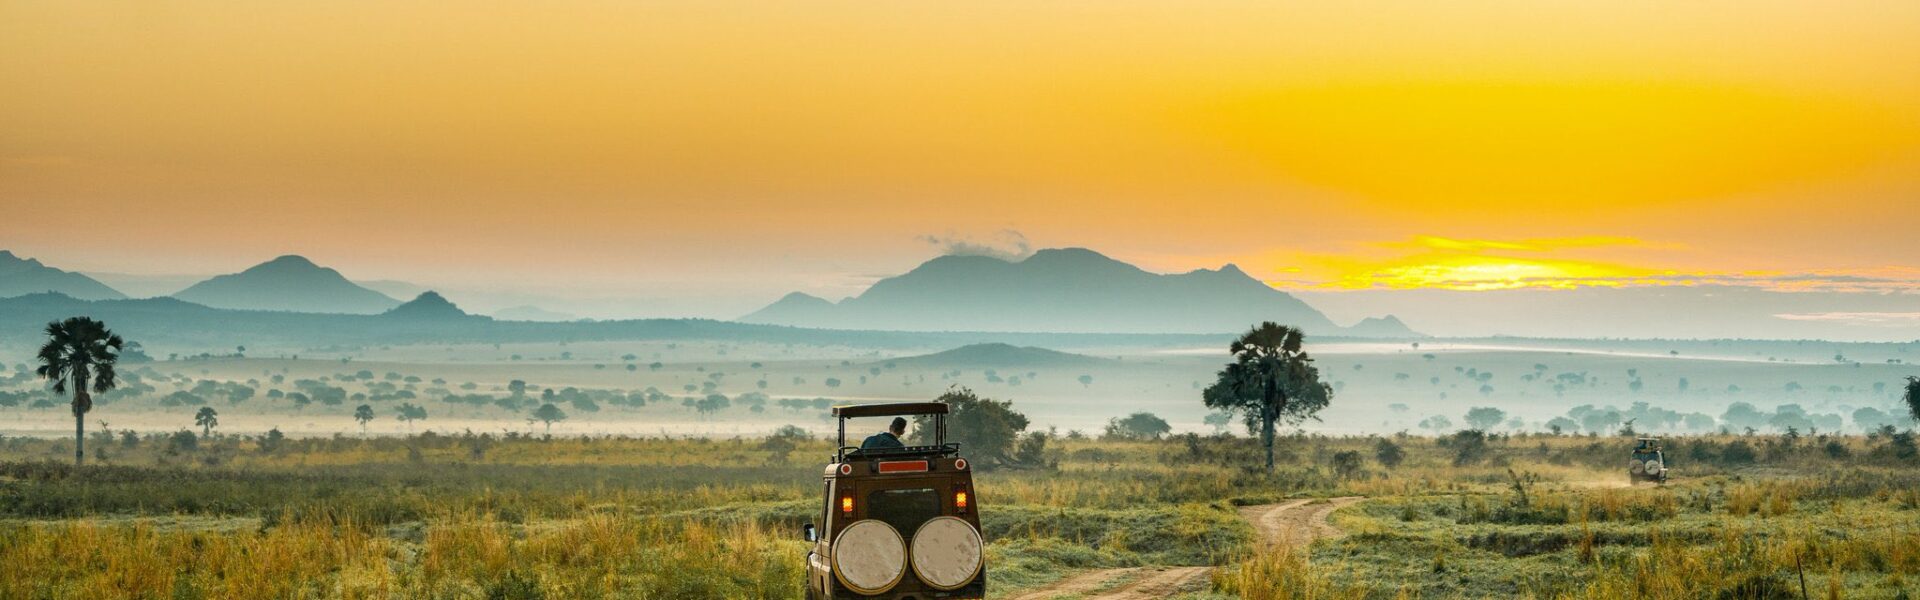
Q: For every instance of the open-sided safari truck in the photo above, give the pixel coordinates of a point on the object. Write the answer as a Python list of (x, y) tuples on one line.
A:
[(897, 523), (1649, 462)]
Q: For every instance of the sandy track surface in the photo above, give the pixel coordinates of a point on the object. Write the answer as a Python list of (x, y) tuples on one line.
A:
[(1297, 522), (1160, 582), (1077, 584), (1134, 583)]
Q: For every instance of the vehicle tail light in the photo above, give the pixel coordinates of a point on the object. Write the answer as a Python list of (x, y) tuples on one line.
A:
[(960, 499), (846, 505)]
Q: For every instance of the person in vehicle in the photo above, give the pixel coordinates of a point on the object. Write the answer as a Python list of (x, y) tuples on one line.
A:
[(889, 438)]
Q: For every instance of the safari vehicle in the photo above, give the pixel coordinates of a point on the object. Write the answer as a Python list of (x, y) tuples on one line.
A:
[(1649, 462), (896, 523)]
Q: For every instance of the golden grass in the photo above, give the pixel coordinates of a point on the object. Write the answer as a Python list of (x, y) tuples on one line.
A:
[(1431, 529), (83, 560), (461, 556)]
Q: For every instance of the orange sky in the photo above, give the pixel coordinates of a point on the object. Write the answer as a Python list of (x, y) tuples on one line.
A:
[(750, 148)]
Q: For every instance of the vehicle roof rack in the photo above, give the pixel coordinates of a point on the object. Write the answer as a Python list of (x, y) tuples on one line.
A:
[(856, 452), (937, 409), (891, 409)]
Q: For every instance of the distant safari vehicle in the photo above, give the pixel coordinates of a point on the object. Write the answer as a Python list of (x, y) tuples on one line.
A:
[(897, 523), (1649, 462)]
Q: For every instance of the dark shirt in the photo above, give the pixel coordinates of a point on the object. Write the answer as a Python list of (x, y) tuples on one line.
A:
[(882, 440)]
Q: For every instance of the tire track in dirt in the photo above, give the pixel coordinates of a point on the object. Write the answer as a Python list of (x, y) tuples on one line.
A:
[(1077, 584), (1160, 582), (1296, 522)]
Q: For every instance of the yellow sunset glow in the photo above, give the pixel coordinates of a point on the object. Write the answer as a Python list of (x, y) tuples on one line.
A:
[(1482, 264), (1507, 145), (640, 146), (1491, 273)]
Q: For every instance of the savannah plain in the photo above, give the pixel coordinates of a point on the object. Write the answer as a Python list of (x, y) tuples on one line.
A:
[(555, 300), (684, 469)]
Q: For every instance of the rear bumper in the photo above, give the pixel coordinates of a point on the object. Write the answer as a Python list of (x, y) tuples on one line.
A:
[(975, 590)]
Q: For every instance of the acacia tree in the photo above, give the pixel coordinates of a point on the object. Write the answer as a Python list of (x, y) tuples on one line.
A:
[(1485, 417), (1270, 381), (548, 413), (79, 354), (1138, 426), (364, 414), (410, 413), (990, 429)]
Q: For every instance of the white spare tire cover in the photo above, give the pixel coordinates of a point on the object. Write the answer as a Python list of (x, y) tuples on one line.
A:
[(869, 557), (1634, 466), (946, 552), (1653, 467)]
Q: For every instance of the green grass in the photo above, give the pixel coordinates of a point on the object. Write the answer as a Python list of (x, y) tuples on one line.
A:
[(519, 516)]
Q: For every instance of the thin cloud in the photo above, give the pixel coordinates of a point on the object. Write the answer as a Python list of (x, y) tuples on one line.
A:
[(1006, 244), (1867, 319)]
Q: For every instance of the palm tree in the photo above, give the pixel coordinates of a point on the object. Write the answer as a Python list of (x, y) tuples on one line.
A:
[(206, 420), (1271, 379), (363, 413), (1913, 398), (79, 354)]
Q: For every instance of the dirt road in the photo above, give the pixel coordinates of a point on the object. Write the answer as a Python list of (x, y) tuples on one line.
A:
[(1297, 522)]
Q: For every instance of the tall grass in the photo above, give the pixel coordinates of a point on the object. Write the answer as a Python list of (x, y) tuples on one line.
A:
[(599, 556), (476, 516), (1282, 572)]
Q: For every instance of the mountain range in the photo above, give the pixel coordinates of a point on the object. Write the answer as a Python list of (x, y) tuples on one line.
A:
[(532, 313), (1380, 327), (1064, 290), (430, 305), (22, 276), (288, 283), (996, 355), (172, 325), (1068, 290)]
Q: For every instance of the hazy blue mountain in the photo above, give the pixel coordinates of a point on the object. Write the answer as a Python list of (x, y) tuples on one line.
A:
[(392, 288), (532, 313), (1677, 311), (169, 325), (289, 283), (429, 305), (796, 307), (1000, 356), (146, 285), (1055, 290), (1381, 327), (22, 276)]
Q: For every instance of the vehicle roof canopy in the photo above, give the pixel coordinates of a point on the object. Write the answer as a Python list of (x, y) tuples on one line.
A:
[(889, 410), (937, 409)]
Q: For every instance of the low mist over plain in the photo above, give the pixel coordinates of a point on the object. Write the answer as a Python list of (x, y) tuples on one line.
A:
[(1073, 337)]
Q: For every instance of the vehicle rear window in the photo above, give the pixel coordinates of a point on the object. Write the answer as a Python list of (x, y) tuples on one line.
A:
[(904, 509)]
